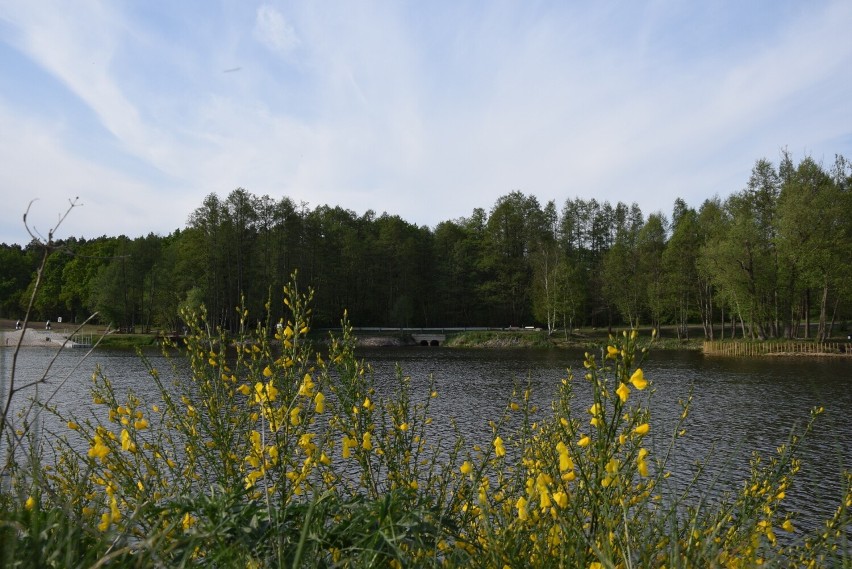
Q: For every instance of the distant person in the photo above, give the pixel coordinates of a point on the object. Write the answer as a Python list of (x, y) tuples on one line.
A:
[(47, 325), (18, 325)]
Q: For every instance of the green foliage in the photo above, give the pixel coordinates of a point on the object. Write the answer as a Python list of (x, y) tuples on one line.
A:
[(768, 258), (499, 339), (270, 454)]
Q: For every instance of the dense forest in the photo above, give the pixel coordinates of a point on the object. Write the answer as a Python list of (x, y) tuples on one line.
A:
[(771, 260)]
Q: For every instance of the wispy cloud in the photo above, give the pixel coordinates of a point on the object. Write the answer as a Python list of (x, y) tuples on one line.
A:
[(422, 110), (272, 30)]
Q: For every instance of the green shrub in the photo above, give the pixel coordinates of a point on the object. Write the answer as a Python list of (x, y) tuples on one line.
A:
[(270, 454)]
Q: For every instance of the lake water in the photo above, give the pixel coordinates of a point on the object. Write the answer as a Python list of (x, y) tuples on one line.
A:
[(740, 405)]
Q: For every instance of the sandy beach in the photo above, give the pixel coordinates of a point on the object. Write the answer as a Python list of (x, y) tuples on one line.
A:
[(32, 338)]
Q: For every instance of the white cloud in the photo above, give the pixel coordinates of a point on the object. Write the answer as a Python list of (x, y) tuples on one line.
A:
[(272, 30), (38, 167), (425, 113)]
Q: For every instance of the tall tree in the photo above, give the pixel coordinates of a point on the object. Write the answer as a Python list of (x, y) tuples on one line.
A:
[(712, 267), (813, 225), (623, 284), (650, 247), (16, 269), (682, 285), (513, 231), (209, 243), (548, 262)]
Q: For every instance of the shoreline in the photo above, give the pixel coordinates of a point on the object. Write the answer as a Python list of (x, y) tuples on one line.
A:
[(34, 339), (38, 338)]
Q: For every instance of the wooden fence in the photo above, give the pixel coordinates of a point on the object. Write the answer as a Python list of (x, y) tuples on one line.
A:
[(742, 348)]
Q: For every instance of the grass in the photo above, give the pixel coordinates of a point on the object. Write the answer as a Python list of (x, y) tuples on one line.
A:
[(499, 339), (130, 341)]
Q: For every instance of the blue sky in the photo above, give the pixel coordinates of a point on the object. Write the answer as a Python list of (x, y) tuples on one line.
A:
[(422, 109)]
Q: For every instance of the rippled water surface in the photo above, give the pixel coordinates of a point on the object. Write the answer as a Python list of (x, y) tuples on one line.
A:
[(740, 405)]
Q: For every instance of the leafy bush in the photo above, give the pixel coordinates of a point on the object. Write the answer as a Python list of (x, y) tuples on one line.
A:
[(270, 454)]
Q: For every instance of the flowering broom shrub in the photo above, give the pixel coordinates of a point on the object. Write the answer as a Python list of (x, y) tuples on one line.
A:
[(268, 453)]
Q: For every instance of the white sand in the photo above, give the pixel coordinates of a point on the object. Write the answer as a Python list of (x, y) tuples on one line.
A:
[(32, 337)]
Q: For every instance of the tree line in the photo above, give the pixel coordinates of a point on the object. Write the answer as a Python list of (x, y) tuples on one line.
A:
[(771, 260)]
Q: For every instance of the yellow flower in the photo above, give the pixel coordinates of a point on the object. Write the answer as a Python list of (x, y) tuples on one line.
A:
[(187, 521), (466, 467), (565, 462), (623, 392), (295, 418), (319, 401), (256, 440), (30, 503), (499, 449), (788, 526), (267, 372), (98, 449), (105, 521), (126, 442), (271, 392), (521, 505), (73, 426), (140, 424), (638, 379), (307, 386), (244, 389), (642, 429), (348, 445), (584, 441), (611, 352), (612, 466), (366, 442), (403, 427), (263, 393), (561, 499)]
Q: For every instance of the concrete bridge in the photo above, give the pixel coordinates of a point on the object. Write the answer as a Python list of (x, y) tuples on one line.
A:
[(421, 336), (429, 339)]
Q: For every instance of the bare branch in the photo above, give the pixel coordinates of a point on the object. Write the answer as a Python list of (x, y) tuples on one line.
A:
[(47, 247)]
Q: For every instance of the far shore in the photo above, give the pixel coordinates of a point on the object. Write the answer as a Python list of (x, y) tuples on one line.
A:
[(36, 335)]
